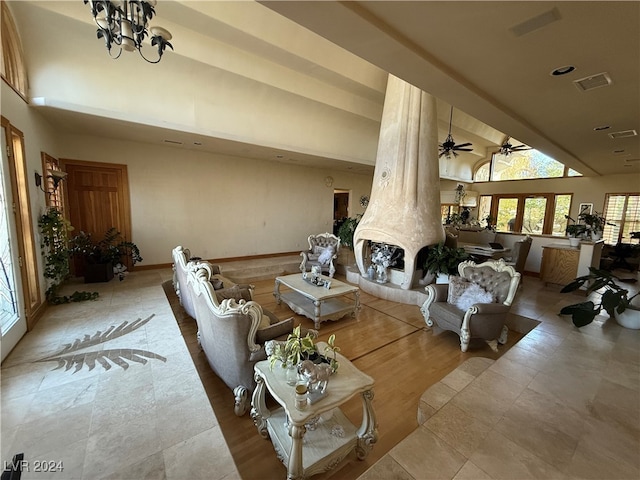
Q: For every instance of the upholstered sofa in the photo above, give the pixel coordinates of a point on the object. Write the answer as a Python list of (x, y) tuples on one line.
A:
[(323, 250), (232, 333), (183, 262), (474, 304)]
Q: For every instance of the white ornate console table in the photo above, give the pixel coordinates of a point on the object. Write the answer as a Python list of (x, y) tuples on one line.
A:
[(316, 439)]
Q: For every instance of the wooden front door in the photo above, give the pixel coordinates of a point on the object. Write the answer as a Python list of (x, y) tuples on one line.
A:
[(97, 199)]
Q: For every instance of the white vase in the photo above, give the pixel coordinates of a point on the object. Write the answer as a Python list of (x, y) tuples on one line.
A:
[(442, 278), (574, 241), (630, 318), (595, 236), (381, 275)]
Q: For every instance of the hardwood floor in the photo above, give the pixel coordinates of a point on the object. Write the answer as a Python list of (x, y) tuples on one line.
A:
[(388, 341)]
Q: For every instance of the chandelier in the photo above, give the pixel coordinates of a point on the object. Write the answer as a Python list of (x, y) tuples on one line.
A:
[(124, 23)]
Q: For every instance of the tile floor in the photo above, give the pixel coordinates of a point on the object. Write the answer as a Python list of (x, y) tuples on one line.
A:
[(562, 403), (118, 403)]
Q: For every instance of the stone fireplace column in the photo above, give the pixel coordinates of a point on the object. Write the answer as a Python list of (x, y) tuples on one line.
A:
[(404, 208)]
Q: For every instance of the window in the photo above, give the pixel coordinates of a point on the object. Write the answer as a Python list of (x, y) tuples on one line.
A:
[(52, 197), (533, 216), (482, 173), (523, 165), (506, 213), (538, 214), (623, 210), (560, 212), (447, 211), (13, 69), (484, 208)]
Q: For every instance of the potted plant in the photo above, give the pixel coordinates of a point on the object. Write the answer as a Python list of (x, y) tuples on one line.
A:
[(614, 299), (100, 257), (345, 233), (298, 348), (443, 261), (575, 231), (54, 231), (594, 224), (347, 230)]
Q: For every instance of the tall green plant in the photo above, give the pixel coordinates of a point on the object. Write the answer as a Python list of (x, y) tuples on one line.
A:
[(443, 259), (347, 230), (54, 237), (110, 249)]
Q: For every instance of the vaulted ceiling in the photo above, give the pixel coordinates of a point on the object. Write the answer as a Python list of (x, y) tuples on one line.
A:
[(492, 61)]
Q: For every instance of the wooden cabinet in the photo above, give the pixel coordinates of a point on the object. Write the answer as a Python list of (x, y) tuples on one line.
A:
[(559, 264)]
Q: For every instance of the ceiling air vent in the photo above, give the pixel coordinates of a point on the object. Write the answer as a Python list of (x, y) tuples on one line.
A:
[(623, 134), (594, 81)]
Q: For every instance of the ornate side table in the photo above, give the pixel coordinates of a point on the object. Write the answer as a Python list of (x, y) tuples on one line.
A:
[(315, 439)]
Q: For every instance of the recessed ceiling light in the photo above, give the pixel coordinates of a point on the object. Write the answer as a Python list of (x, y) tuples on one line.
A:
[(602, 127), (563, 70)]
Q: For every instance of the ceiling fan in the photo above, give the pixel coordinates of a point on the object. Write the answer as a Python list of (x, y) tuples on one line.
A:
[(507, 149), (449, 145)]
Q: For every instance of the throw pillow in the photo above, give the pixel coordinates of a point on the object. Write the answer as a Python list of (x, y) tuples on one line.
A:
[(217, 283), (457, 285), (326, 255), (472, 295), (234, 292)]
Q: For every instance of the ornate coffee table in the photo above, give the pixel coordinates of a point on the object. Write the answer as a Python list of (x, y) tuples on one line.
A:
[(317, 303), (316, 439)]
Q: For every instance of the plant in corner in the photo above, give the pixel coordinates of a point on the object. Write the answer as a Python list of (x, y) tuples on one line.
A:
[(347, 230), (104, 254), (54, 229), (442, 259), (614, 299)]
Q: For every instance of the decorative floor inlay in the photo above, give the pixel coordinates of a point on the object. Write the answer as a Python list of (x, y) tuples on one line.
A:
[(68, 359)]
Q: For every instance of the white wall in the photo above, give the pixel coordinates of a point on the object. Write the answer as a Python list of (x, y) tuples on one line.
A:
[(219, 206), (230, 93), (39, 136)]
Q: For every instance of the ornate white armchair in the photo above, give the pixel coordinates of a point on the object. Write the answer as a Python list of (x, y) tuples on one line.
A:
[(323, 250), (475, 304)]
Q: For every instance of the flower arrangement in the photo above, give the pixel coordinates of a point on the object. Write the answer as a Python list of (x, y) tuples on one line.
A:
[(382, 255)]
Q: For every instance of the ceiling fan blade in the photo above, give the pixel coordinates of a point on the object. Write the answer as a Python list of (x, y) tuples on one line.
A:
[(463, 145), (464, 149)]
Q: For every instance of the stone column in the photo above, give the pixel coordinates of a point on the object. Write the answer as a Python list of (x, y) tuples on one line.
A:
[(404, 208)]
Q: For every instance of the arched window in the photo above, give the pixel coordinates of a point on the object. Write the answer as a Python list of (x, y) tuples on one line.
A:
[(482, 173), (12, 69)]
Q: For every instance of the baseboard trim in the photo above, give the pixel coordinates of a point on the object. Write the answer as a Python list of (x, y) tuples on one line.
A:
[(217, 260)]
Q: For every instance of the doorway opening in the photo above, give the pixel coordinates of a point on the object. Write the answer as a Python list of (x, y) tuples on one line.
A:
[(340, 208)]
